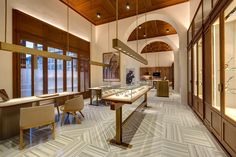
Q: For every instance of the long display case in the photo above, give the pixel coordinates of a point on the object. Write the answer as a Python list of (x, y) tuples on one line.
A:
[(119, 92), (127, 93), (212, 79)]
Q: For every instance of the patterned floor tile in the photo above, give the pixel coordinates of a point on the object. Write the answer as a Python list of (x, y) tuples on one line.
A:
[(165, 129)]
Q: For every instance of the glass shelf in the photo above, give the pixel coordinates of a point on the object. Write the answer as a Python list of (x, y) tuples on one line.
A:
[(215, 31), (230, 62), (125, 92)]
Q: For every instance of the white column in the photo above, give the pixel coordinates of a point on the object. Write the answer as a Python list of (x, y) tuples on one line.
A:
[(176, 72), (183, 75)]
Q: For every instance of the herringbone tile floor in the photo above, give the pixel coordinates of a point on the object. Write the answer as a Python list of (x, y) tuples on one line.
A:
[(166, 129)]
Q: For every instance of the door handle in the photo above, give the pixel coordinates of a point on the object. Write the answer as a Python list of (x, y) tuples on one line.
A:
[(220, 87)]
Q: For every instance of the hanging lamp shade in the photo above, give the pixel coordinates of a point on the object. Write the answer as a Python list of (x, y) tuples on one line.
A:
[(122, 47)]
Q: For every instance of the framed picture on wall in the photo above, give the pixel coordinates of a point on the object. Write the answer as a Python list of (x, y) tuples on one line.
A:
[(130, 76), (111, 73), (3, 95)]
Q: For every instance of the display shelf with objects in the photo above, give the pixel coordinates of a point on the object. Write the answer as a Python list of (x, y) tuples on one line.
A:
[(127, 95), (102, 91)]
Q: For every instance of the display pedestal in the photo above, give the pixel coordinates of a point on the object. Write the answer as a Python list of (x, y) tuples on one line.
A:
[(117, 106)]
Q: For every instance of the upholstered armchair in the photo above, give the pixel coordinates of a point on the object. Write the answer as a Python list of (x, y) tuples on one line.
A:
[(72, 106), (32, 117)]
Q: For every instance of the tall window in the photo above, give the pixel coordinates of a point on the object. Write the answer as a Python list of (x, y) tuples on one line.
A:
[(84, 75), (72, 72), (82, 78), (55, 72), (31, 71), (38, 73)]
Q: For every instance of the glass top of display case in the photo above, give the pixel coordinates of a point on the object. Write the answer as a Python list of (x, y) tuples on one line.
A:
[(126, 93)]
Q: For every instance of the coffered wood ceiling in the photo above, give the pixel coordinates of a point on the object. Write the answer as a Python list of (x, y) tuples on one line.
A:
[(107, 8), (157, 46), (152, 29)]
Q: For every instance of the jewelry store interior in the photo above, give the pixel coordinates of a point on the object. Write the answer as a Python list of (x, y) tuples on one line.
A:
[(117, 78)]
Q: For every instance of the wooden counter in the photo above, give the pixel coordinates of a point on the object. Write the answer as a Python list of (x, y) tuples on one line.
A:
[(10, 110)]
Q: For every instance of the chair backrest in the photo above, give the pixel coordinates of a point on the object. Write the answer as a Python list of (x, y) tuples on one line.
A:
[(75, 104), (36, 116)]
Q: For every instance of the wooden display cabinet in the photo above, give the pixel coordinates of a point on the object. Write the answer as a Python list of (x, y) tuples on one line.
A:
[(213, 99)]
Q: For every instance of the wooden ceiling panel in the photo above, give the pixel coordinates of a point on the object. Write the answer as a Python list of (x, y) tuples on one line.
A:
[(107, 8), (152, 29), (157, 46)]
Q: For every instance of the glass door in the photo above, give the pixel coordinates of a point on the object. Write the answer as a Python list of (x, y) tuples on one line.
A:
[(216, 85), (230, 62), (195, 77), (190, 77), (31, 71), (200, 71)]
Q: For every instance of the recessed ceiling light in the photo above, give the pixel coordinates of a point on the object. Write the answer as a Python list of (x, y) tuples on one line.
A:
[(98, 15), (127, 6), (167, 30), (139, 27), (144, 35)]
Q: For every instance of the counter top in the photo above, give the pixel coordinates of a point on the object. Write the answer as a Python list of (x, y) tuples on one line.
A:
[(32, 99)]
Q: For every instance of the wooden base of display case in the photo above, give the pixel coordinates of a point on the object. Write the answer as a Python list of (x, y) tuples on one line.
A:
[(117, 106), (229, 137)]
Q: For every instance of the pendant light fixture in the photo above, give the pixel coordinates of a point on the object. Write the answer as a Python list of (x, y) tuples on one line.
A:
[(95, 63), (122, 47), (24, 50)]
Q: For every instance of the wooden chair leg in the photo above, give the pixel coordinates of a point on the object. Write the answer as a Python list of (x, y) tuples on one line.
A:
[(77, 119), (62, 118), (81, 113), (21, 139), (58, 111), (53, 131)]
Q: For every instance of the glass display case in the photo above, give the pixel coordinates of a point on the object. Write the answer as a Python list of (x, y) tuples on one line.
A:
[(126, 93), (189, 76), (216, 85), (200, 89), (190, 34), (110, 90), (198, 20), (230, 61), (207, 6), (195, 70)]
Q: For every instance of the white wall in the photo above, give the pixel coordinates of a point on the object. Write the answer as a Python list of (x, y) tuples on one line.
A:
[(178, 16), (159, 59), (53, 12)]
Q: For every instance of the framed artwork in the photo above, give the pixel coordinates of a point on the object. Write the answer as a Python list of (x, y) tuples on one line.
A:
[(112, 72), (130, 76)]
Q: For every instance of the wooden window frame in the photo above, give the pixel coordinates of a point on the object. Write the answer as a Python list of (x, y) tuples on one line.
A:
[(42, 33)]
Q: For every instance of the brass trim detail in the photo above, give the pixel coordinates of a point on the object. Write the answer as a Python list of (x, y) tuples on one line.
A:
[(24, 50)]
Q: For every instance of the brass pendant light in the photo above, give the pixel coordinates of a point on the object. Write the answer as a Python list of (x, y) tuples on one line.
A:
[(8, 47), (95, 63), (122, 47)]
